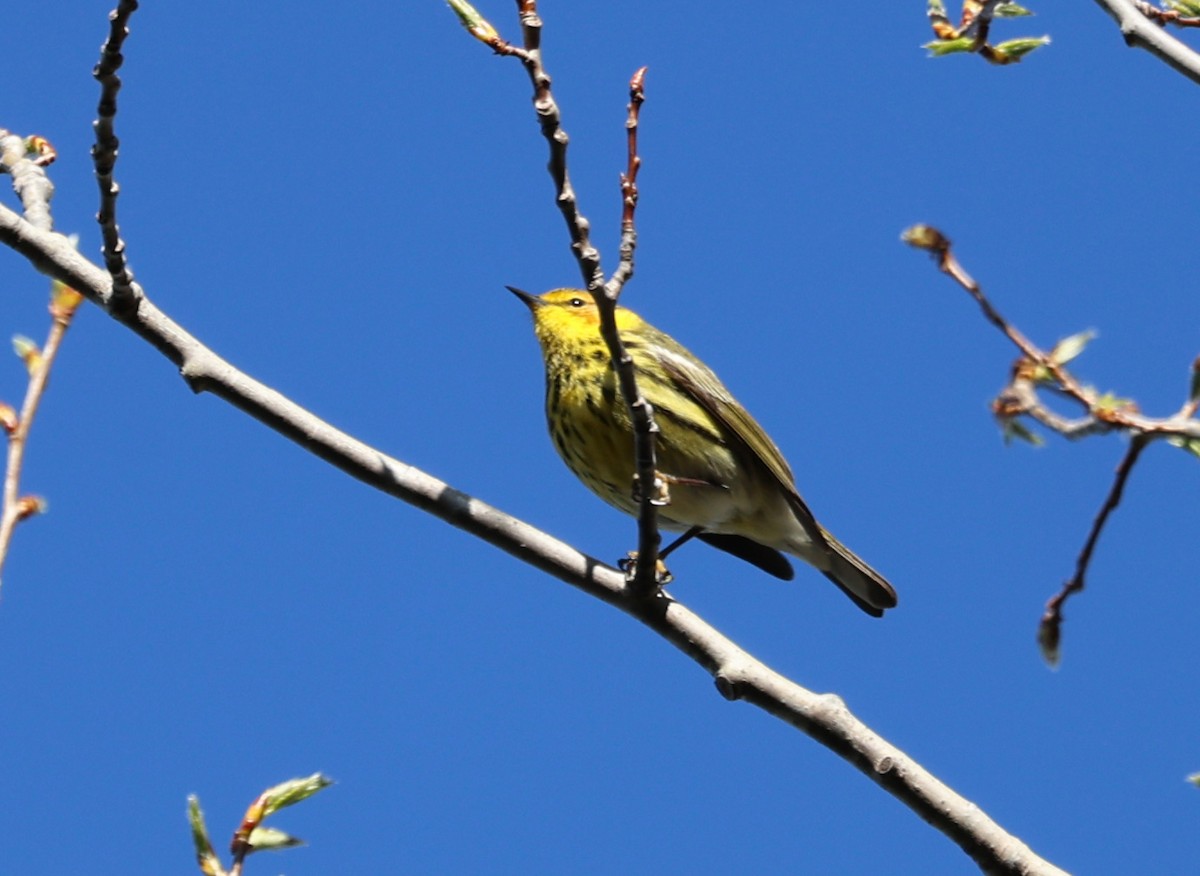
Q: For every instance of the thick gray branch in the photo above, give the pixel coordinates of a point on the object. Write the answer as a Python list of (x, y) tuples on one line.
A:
[(1140, 31), (30, 181), (824, 717)]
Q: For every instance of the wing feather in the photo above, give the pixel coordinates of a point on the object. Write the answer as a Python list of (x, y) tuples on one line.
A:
[(703, 385)]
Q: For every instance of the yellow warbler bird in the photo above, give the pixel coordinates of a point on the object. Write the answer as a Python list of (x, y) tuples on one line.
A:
[(728, 483)]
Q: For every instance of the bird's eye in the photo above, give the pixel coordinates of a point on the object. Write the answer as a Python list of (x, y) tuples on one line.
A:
[(576, 302)]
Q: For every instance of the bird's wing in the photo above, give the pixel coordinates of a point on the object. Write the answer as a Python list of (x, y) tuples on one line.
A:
[(706, 388)]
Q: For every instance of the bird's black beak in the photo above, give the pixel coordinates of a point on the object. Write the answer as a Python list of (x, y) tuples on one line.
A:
[(531, 301)]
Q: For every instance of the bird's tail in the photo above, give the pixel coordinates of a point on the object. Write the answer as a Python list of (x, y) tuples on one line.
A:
[(869, 590)]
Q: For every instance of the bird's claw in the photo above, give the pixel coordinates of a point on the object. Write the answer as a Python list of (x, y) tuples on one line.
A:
[(628, 565), (661, 495)]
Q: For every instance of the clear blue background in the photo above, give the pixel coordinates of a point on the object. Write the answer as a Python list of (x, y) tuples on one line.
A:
[(334, 198)]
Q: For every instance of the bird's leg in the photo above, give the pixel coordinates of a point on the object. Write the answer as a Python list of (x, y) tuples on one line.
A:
[(681, 541), (662, 496)]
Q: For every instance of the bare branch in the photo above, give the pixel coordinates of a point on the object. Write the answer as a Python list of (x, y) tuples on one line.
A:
[(1050, 629), (629, 189), (15, 508), (1103, 414), (25, 160), (739, 675), (1039, 368), (104, 155), (650, 489), (1143, 33)]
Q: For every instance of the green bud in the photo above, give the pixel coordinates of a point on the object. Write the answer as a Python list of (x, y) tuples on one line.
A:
[(1111, 403)]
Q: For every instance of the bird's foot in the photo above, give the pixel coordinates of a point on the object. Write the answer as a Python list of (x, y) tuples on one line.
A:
[(660, 493), (628, 565)]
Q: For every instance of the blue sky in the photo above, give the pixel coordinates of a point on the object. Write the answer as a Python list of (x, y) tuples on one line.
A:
[(335, 203)]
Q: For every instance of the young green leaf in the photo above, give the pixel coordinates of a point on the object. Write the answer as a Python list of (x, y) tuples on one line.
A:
[(1068, 348), (270, 839), (1190, 8), (1011, 10), (293, 791), (1015, 50), (210, 864), (1012, 428), (939, 48), (1191, 445), (28, 352)]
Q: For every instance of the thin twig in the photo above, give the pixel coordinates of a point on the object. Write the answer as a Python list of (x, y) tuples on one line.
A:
[(1189, 407), (645, 571), (1037, 364), (1050, 628), (650, 489), (629, 188), (1020, 398), (550, 120), (977, 23), (104, 155), (825, 718), (938, 244), (26, 159), (15, 507)]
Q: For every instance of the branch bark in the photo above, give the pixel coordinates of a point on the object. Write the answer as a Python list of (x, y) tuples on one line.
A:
[(738, 675), (1143, 33)]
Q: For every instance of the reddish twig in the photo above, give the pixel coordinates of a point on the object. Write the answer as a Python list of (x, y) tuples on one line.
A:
[(1103, 414), (15, 507), (1038, 367), (629, 188), (939, 245)]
